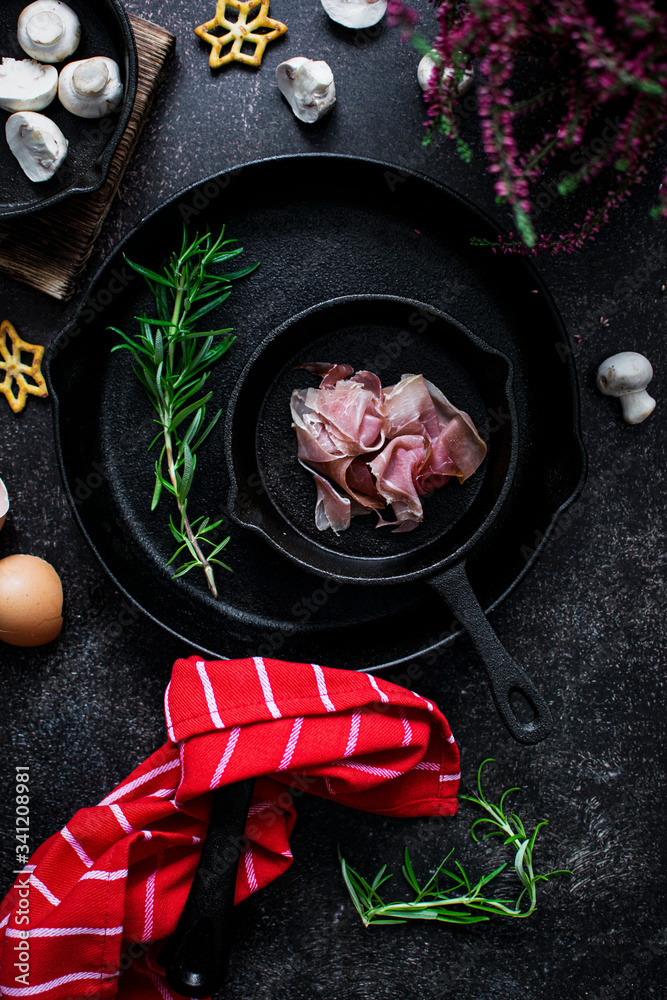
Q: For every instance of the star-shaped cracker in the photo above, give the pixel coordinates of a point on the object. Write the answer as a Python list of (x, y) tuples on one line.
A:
[(239, 32), (17, 371)]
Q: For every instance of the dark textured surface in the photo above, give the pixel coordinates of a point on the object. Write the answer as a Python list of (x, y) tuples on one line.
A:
[(588, 623)]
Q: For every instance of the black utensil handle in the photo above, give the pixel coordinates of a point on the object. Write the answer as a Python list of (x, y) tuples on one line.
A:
[(196, 956), (506, 677)]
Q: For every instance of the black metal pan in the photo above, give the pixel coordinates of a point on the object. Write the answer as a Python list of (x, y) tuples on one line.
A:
[(105, 30), (273, 496), (332, 226)]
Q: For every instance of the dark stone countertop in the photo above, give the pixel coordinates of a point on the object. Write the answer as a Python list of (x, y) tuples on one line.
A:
[(589, 621)]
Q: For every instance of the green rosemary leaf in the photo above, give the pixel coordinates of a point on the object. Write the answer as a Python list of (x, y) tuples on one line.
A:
[(408, 871), (382, 881), (433, 881), (518, 864), (157, 437), (390, 922), (156, 493), (482, 819), (174, 530), (463, 876), (650, 87), (199, 526), (162, 302), (220, 258), (208, 430), (234, 275), (147, 321), (159, 348), (202, 358), (212, 527), (219, 562), (185, 568), (210, 306), (185, 413), (147, 273), (195, 424), (521, 834), (176, 554), (348, 875), (422, 915), (504, 796), (191, 389), (467, 919), (213, 283), (135, 348), (158, 382), (204, 333), (209, 355), (191, 547), (485, 879), (531, 845), (222, 545), (188, 473)]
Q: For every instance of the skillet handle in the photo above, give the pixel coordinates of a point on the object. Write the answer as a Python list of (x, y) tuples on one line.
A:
[(196, 956), (505, 675)]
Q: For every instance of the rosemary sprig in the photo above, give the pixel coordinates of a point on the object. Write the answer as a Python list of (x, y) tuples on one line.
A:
[(173, 360), (459, 901)]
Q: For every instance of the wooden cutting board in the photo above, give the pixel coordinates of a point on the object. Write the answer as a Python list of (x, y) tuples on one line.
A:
[(49, 249)]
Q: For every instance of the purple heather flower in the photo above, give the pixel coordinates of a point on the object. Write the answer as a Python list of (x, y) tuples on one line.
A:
[(616, 71)]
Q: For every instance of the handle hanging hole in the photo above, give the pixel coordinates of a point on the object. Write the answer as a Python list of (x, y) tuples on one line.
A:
[(522, 707)]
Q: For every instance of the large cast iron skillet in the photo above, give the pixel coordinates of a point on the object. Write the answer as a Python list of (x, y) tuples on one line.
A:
[(323, 227), (105, 30)]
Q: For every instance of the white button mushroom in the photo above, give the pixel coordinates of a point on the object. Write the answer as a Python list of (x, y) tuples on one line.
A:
[(37, 143), (26, 85), (428, 64), (355, 13), (4, 503), (49, 30), (626, 375), (308, 85), (91, 88)]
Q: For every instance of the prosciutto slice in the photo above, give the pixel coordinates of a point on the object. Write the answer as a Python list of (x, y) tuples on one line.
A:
[(338, 421), (396, 470), (379, 446), (331, 510)]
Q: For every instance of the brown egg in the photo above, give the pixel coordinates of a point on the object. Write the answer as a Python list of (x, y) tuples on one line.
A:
[(31, 601)]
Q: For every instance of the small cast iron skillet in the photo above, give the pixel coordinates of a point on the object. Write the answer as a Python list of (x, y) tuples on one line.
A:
[(273, 496), (105, 31)]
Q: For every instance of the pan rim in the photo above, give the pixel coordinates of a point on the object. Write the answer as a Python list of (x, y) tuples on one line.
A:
[(390, 578)]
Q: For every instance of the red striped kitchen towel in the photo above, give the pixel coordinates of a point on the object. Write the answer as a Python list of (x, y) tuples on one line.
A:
[(84, 916)]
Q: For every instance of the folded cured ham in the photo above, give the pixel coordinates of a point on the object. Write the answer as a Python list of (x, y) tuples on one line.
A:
[(368, 447)]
